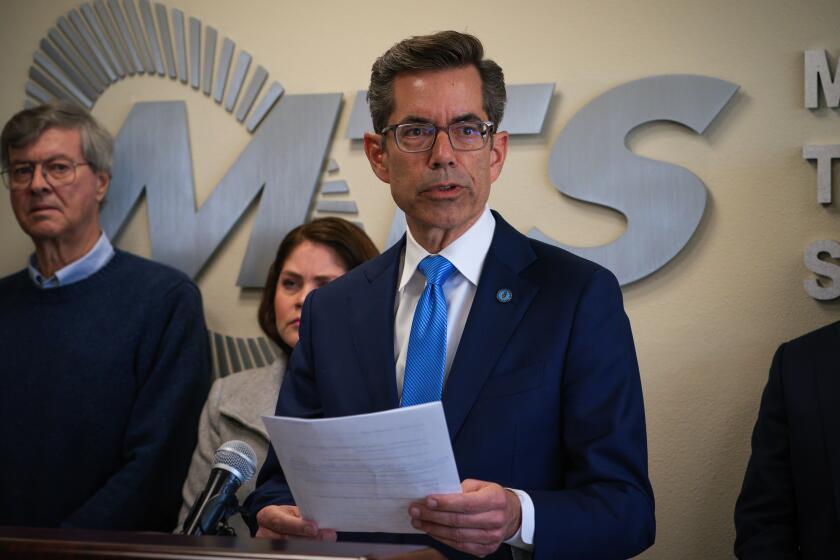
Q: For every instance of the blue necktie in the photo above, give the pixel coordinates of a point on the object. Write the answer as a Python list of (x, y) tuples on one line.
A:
[(426, 357)]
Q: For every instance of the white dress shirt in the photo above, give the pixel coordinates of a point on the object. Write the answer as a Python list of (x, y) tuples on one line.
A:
[(467, 254)]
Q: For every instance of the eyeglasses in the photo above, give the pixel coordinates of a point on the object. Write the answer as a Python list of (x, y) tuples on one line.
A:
[(57, 172), (466, 136)]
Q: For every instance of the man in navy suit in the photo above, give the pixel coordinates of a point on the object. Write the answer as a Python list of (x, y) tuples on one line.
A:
[(789, 503), (535, 366)]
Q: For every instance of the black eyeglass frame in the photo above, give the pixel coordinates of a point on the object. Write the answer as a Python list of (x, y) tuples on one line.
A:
[(490, 129)]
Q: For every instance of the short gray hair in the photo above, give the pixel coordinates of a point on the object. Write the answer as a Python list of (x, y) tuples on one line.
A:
[(27, 126), (440, 51)]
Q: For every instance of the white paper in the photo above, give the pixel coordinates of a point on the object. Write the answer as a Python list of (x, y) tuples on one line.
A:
[(360, 473)]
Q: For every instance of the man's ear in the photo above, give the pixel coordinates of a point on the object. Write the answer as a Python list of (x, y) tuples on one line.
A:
[(103, 181), (498, 153), (377, 156)]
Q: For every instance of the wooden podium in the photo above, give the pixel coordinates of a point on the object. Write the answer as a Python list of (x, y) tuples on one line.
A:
[(59, 544)]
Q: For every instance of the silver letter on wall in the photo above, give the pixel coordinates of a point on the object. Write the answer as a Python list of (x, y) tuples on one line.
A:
[(817, 72), (283, 160), (824, 268), (663, 202), (824, 155)]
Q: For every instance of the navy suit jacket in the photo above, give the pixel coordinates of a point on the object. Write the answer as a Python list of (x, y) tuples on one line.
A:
[(789, 503), (543, 394)]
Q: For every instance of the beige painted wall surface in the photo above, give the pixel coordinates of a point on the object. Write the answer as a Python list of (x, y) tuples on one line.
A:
[(706, 325)]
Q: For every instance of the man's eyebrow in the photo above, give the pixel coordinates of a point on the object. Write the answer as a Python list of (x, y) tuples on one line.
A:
[(52, 157), (416, 119), (460, 118), (467, 117)]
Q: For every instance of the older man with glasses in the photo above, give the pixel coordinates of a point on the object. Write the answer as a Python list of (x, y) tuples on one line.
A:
[(105, 358)]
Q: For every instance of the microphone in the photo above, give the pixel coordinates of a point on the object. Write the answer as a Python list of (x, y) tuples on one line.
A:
[(234, 463)]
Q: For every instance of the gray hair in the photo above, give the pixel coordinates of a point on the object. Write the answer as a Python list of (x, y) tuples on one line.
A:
[(440, 51), (27, 126)]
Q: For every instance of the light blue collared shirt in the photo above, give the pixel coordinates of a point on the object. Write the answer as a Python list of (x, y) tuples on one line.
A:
[(91, 263)]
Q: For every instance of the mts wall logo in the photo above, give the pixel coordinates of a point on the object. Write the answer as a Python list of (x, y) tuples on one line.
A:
[(99, 44)]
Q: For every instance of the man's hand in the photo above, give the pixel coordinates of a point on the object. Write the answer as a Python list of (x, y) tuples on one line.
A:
[(280, 522), (476, 522)]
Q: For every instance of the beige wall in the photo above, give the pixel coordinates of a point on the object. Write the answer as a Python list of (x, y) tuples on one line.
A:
[(706, 324)]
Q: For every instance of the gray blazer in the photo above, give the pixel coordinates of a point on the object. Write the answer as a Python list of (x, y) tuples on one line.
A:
[(233, 411)]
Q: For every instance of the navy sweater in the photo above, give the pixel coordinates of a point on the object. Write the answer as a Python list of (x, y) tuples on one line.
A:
[(101, 385)]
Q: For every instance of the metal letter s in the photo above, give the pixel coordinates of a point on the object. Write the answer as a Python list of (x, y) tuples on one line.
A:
[(663, 202)]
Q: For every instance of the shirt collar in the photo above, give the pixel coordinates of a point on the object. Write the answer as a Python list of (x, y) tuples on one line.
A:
[(90, 263), (467, 252)]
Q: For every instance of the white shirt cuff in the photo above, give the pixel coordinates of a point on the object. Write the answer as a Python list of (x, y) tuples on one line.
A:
[(524, 537)]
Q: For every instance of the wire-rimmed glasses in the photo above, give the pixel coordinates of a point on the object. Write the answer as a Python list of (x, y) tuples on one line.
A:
[(57, 171)]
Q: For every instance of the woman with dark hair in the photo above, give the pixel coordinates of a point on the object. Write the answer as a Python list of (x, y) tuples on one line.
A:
[(308, 257)]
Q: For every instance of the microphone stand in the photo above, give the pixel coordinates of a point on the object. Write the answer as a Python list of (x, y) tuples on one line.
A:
[(214, 518)]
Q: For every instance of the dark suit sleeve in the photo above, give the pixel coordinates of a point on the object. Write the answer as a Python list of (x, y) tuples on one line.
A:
[(765, 513), (605, 508), (173, 381), (298, 398)]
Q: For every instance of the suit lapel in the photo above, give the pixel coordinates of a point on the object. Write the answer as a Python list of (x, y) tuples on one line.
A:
[(490, 322), (825, 365), (372, 324)]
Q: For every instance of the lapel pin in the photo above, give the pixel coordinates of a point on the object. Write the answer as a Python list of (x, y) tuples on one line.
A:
[(504, 295)]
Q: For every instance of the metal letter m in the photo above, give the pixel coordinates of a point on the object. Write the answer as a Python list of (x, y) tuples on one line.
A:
[(283, 161)]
